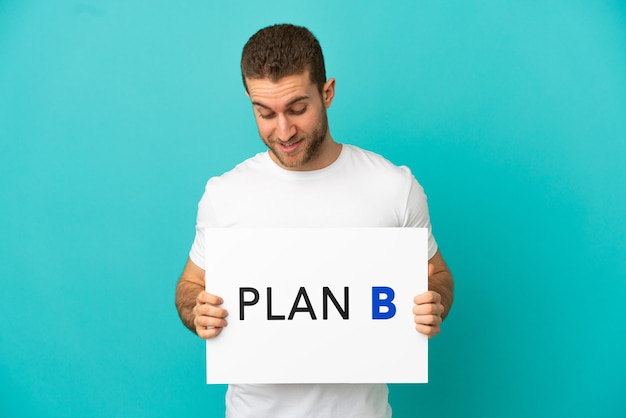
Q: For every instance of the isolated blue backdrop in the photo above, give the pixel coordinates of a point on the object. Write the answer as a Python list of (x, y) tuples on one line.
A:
[(512, 114)]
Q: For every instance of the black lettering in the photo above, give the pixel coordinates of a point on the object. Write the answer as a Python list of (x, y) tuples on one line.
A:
[(243, 302), (271, 317), (326, 294), (302, 294)]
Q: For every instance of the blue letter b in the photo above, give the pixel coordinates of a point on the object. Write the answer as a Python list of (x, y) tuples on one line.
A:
[(381, 298)]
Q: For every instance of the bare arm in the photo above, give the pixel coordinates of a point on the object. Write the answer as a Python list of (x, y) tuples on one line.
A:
[(440, 281), (198, 310), (432, 307)]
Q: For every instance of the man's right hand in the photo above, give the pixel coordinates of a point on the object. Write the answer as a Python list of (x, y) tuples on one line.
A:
[(209, 318)]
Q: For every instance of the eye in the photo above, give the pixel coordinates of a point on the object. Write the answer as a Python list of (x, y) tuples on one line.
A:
[(298, 111), (267, 115)]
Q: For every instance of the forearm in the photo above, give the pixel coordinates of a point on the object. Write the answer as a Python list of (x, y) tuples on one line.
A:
[(186, 294), (443, 283)]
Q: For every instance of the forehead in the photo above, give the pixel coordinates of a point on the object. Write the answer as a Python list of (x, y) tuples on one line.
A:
[(281, 92)]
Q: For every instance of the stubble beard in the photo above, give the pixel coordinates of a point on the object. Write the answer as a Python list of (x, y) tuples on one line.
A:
[(312, 143)]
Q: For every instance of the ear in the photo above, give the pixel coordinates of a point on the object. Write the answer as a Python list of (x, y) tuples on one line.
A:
[(328, 92)]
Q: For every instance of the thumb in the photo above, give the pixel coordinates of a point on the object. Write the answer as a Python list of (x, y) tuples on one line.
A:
[(431, 269)]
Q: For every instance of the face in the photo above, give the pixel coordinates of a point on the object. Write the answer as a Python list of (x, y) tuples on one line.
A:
[(291, 118)]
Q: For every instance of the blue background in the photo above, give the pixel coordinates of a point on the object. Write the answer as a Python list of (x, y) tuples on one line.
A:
[(512, 115)]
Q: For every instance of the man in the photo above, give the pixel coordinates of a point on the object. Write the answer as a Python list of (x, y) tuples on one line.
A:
[(305, 179)]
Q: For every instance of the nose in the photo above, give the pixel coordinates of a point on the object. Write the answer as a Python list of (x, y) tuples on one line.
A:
[(285, 129)]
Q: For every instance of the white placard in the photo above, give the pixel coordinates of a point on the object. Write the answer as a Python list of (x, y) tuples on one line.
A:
[(290, 285)]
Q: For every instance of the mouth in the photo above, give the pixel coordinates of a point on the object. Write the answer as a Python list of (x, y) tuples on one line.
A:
[(289, 147)]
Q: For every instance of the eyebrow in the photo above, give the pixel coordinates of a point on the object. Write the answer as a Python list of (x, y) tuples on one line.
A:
[(290, 103)]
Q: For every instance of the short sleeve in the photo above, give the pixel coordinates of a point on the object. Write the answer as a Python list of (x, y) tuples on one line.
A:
[(204, 220), (416, 214)]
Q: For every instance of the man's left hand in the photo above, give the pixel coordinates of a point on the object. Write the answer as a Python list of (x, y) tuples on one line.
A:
[(427, 313)]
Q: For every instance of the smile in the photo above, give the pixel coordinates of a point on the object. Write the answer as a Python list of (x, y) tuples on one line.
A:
[(289, 147)]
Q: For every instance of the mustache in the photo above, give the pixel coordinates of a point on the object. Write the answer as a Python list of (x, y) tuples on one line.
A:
[(290, 141)]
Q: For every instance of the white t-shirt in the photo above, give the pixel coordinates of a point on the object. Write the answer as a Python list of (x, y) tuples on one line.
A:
[(360, 189)]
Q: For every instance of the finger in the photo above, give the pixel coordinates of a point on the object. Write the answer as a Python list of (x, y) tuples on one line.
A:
[(210, 310), (427, 297), (205, 297), (208, 333), (430, 320), (428, 309), (209, 322), (431, 269), (429, 331)]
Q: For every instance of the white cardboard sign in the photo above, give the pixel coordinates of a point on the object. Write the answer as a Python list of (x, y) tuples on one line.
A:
[(302, 305)]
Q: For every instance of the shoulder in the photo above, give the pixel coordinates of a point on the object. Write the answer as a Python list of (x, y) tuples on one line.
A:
[(375, 164), (243, 173)]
